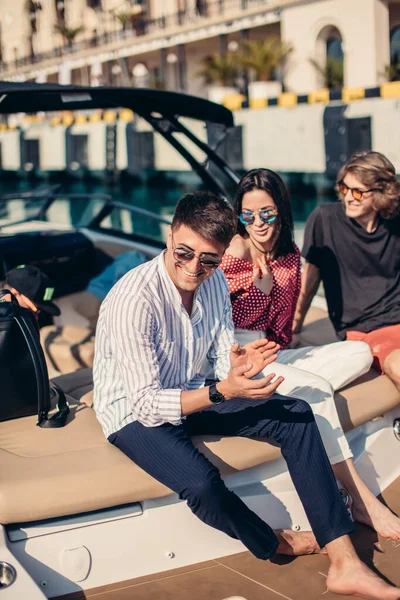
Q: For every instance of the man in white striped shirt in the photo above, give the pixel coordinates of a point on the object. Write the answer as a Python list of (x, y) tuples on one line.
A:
[(157, 326)]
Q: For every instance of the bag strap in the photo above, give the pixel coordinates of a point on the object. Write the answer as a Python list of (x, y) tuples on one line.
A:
[(59, 418), (43, 389)]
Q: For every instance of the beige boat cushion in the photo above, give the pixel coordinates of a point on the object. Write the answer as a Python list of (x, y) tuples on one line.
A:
[(112, 248), (48, 473), (371, 396), (80, 309), (67, 348), (317, 328)]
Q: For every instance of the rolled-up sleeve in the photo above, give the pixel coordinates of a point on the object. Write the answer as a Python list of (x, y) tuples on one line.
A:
[(132, 330)]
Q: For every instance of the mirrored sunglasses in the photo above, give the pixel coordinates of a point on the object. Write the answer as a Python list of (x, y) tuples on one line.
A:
[(247, 217), (183, 256)]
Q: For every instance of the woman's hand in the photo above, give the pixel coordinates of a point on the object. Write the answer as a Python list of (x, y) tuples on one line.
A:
[(259, 354), (262, 276)]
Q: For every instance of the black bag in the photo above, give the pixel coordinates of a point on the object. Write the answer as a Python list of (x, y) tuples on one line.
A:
[(24, 380)]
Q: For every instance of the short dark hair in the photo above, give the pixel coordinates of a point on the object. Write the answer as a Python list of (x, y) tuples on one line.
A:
[(208, 215), (271, 183)]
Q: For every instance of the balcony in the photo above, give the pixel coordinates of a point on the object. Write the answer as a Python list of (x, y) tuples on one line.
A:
[(210, 18)]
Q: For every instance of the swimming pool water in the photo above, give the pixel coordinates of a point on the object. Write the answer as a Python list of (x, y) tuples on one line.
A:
[(158, 193)]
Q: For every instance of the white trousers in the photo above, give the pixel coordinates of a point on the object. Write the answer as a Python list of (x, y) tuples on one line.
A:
[(313, 374)]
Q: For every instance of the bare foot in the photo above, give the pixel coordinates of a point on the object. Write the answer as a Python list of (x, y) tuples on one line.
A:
[(379, 517), (359, 581), (297, 543)]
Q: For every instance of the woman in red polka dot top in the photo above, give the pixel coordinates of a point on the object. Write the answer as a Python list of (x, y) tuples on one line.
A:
[(263, 270), (262, 264)]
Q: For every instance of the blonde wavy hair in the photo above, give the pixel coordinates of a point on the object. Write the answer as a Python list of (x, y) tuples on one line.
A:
[(376, 172)]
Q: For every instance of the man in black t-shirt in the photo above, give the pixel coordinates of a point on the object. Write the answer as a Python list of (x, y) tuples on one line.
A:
[(353, 246)]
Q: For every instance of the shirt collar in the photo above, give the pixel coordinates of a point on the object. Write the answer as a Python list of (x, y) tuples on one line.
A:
[(197, 312), (166, 279)]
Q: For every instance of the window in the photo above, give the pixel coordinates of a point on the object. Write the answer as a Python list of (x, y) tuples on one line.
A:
[(334, 48), (329, 58), (395, 46)]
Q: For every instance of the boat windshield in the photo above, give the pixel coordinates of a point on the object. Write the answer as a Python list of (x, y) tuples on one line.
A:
[(114, 168), (20, 206), (88, 210)]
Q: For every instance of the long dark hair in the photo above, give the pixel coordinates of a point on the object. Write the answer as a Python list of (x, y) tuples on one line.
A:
[(270, 182)]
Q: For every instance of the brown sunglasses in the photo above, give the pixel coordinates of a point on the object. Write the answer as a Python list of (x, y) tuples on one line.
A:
[(355, 192)]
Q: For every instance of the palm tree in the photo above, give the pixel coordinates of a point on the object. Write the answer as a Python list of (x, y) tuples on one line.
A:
[(222, 69), (263, 58), (124, 18), (392, 72), (332, 73), (68, 33)]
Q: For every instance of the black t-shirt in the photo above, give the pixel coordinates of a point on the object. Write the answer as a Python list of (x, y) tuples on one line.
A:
[(360, 270)]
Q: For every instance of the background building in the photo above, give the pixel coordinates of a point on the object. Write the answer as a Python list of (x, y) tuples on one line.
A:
[(162, 43), (351, 47)]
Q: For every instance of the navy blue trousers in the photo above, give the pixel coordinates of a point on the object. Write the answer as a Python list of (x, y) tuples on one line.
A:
[(167, 453)]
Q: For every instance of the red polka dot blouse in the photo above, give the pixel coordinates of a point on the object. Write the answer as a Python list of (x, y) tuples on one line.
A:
[(252, 309)]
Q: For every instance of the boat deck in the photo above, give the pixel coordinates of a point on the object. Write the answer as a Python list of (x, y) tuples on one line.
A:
[(246, 578)]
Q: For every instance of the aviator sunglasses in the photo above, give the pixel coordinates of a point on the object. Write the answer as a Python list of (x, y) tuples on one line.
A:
[(355, 192), (267, 215), (184, 255)]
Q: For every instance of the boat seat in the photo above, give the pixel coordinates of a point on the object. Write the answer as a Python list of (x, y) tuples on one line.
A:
[(67, 348), (49, 473), (317, 328), (80, 309), (357, 403)]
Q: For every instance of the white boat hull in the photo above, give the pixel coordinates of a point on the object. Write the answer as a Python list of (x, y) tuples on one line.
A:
[(86, 551)]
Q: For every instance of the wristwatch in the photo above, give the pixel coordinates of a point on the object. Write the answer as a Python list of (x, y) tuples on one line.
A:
[(214, 395)]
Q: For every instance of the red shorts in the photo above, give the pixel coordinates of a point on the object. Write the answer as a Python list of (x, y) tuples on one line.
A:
[(381, 341)]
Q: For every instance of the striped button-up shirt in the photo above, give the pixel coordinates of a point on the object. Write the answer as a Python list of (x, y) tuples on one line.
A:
[(148, 349)]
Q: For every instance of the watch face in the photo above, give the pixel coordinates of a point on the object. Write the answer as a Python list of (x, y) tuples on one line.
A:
[(215, 396)]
